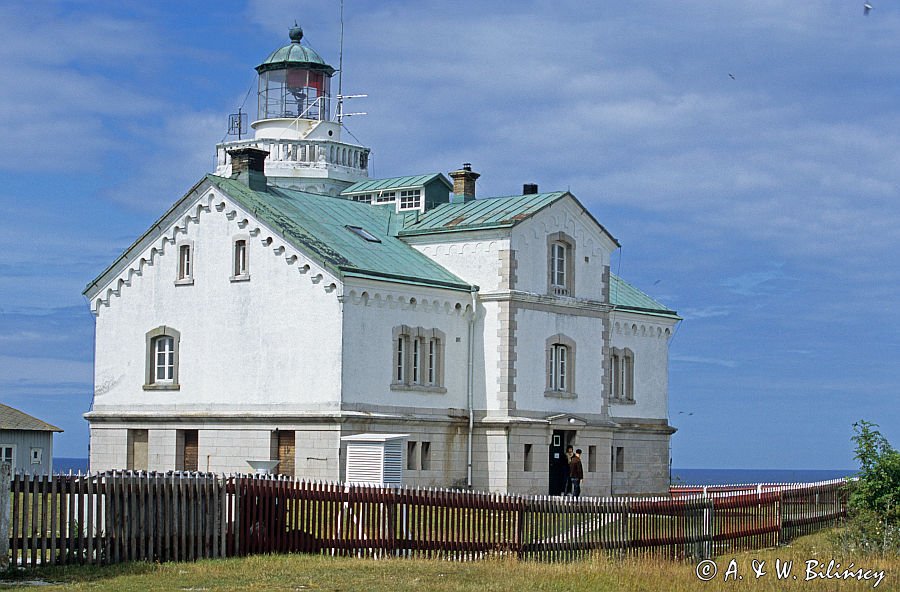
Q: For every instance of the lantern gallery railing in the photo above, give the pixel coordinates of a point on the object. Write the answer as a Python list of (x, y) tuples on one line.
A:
[(299, 154)]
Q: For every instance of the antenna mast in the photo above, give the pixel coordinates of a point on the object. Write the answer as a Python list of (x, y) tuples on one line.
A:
[(340, 105)]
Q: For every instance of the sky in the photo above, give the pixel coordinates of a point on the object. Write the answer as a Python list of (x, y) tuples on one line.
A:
[(745, 154)]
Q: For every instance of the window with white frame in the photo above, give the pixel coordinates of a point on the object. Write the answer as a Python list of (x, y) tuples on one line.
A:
[(386, 197), (185, 263), (240, 266), (8, 455), (418, 358), (410, 199), (621, 375), (363, 198), (560, 264), (560, 351), (162, 359)]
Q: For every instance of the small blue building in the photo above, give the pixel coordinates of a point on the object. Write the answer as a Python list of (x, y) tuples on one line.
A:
[(26, 442)]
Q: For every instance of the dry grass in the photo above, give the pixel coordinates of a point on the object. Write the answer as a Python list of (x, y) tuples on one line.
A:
[(295, 572)]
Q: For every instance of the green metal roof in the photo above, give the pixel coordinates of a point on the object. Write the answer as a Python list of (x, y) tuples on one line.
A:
[(294, 54), (373, 185), (624, 296), (13, 419), (490, 212), (316, 225)]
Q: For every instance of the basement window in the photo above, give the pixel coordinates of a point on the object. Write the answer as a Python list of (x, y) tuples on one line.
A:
[(363, 234)]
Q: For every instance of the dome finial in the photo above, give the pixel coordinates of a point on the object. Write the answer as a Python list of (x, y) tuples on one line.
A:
[(295, 33)]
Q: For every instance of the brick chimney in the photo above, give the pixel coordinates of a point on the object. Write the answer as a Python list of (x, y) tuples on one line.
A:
[(248, 166), (529, 188), (463, 184)]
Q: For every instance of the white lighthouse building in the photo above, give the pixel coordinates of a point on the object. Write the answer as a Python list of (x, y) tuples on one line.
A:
[(289, 301)]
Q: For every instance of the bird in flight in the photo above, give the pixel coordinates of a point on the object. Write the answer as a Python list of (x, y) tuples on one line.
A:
[(732, 76), (866, 8)]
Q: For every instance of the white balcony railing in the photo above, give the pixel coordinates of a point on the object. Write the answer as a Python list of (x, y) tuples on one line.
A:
[(285, 155)]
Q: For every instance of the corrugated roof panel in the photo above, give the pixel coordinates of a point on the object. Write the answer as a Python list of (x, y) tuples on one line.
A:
[(317, 225), (625, 296), (487, 212), (393, 183)]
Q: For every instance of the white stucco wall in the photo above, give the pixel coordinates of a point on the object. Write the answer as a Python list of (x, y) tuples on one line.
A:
[(472, 256), (371, 311), (648, 337), (274, 339), (529, 240)]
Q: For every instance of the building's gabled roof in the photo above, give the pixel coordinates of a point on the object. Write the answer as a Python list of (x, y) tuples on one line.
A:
[(13, 419), (623, 296), (488, 213), (317, 225), (394, 183)]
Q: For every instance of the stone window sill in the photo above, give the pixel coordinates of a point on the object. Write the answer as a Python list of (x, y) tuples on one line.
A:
[(240, 278), (162, 387), (560, 395), (621, 401), (419, 388), (185, 282)]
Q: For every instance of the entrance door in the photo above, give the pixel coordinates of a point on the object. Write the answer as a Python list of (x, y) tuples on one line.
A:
[(286, 453), (190, 452), (559, 463)]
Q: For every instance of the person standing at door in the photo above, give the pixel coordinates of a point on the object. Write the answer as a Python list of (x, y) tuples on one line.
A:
[(576, 474), (570, 454)]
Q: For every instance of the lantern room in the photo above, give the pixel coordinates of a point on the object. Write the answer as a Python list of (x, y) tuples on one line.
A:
[(294, 82)]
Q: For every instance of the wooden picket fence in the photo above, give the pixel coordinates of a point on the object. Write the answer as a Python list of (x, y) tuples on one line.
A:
[(114, 517)]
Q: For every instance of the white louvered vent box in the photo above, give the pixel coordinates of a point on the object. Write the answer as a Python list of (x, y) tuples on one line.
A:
[(375, 458)]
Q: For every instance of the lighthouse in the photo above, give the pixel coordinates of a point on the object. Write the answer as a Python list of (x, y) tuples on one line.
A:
[(295, 124)]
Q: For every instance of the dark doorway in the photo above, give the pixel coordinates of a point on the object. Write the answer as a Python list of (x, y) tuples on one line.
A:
[(559, 462)]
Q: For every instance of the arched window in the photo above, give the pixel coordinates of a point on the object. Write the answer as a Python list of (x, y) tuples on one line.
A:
[(561, 264), (621, 369), (162, 359), (560, 352)]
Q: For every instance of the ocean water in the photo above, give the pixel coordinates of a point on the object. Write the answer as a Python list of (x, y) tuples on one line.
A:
[(738, 476), (64, 464)]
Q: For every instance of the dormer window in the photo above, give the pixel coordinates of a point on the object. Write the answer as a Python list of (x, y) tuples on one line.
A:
[(185, 273), (410, 199), (386, 197), (560, 264)]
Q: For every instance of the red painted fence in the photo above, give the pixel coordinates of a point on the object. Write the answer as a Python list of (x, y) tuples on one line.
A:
[(125, 516)]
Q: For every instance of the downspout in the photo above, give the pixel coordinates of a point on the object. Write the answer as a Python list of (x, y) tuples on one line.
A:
[(470, 385)]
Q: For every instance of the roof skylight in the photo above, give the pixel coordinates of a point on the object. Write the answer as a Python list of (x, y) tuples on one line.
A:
[(363, 233)]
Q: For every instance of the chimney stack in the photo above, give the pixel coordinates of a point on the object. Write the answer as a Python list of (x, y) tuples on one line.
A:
[(248, 166), (529, 188), (463, 184)]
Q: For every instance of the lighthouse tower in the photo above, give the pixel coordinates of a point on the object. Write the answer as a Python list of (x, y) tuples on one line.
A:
[(294, 124)]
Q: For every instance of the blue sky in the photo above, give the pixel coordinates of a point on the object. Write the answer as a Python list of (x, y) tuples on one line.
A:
[(745, 154)]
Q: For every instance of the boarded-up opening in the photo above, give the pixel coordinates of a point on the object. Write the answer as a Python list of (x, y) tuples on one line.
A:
[(137, 450), (187, 459), (286, 453)]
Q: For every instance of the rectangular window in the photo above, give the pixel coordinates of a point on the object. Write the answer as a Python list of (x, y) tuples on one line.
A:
[(627, 377), (184, 262), (432, 346), (363, 198), (164, 352), (410, 199), (527, 458), (401, 359), (37, 454), (620, 459), (386, 197), (558, 361), (416, 365), (8, 455), (558, 265), (411, 455), (425, 456), (240, 258), (615, 376), (592, 459)]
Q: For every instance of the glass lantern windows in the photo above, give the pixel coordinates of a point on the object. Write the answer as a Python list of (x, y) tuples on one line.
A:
[(294, 92)]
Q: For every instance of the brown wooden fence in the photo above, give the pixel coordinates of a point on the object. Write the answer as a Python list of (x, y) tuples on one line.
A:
[(124, 516)]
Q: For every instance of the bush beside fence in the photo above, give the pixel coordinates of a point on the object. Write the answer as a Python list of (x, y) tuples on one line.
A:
[(113, 517)]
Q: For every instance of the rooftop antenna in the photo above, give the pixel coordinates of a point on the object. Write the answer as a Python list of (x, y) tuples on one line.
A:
[(340, 105)]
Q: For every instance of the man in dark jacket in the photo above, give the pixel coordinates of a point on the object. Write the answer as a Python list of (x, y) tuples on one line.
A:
[(576, 474)]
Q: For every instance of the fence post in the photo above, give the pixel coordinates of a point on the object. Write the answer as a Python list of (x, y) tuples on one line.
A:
[(5, 474)]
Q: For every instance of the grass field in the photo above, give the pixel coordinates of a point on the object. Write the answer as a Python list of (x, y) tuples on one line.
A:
[(298, 572)]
